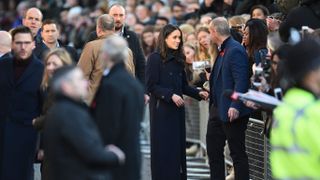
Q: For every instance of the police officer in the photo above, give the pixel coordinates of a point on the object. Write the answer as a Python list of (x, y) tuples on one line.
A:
[(295, 135)]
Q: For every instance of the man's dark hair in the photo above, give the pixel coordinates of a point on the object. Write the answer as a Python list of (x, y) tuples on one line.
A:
[(176, 3), (21, 29), (262, 7), (163, 19), (50, 21)]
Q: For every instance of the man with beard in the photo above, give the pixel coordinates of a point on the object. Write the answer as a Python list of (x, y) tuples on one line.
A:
[(20, 79), (118, 12)]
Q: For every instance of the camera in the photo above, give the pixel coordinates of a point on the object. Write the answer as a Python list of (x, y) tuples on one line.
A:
[(263, 70), (278, 93)]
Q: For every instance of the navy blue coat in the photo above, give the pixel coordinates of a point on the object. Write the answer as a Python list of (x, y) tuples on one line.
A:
[(20, 102), (230, 71), (168, 139)]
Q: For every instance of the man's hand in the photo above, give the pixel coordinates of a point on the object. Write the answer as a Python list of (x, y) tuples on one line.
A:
[(177, 100), (121, 156), (233, 114), (204, 95), (40, 155), (146, 99)]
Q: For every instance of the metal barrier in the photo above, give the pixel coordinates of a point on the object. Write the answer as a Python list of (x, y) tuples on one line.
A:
[(258, 150), (257, 145)]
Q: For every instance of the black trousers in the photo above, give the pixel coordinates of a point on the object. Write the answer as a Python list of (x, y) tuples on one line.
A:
[(217, 134)]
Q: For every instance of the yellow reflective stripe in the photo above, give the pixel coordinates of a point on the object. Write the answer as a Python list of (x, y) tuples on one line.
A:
[(297, 178), (293, 149)]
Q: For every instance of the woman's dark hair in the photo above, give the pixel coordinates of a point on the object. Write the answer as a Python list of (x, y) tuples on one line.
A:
[(263, 9), (281, 72), (258, 35), (162, 45)]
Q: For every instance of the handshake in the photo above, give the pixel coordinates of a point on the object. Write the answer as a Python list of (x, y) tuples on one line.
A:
[(178, 100)]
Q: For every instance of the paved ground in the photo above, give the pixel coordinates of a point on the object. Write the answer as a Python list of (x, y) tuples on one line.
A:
[(145, 170)]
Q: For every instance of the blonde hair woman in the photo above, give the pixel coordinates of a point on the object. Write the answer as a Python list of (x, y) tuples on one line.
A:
[(207, 49), (54, 59)]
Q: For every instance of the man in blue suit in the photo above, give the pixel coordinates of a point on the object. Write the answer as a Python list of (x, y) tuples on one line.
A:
[(228, 120), (20, 102)]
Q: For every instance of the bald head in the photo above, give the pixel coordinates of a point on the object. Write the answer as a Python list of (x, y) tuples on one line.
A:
[(33, 20), (5, 43), (118, 12), (105, 23)]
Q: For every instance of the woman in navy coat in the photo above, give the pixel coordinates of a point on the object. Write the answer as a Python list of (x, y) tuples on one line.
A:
[(166, 82)]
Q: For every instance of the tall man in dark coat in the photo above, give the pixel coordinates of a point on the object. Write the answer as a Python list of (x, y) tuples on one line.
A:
[(20, 102), (118, 12), (228, 120), (118, 108), (73, 146)]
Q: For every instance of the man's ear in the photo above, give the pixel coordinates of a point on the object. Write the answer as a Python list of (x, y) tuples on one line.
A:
[(24, 21), (33, 44)]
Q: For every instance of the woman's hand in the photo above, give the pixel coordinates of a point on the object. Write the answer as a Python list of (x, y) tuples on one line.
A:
[(177, 100)]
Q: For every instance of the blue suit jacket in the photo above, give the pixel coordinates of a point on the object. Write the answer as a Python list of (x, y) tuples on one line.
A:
[(231, 71)]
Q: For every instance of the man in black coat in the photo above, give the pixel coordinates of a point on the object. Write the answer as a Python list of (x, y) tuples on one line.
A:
[(118, 12), (20, 102), (118, 108), (72, 145), (50, 34)]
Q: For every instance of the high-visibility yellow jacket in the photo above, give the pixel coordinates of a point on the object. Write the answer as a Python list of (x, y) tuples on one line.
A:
[(295, 137)]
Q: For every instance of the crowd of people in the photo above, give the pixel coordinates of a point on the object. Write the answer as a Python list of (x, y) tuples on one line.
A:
[(76, 76)]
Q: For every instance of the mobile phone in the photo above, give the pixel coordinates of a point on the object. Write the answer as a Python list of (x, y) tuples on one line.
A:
[(304, 30), (278, 93)]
